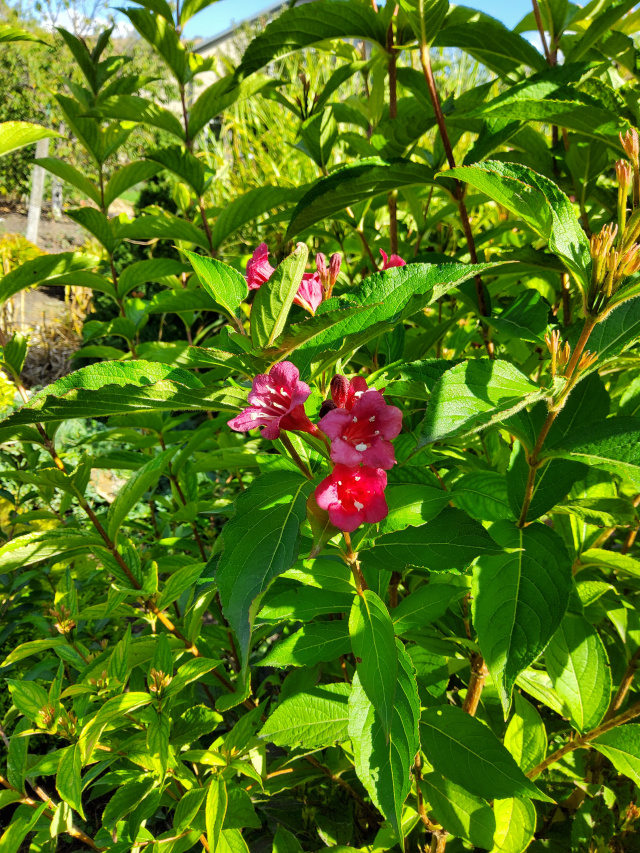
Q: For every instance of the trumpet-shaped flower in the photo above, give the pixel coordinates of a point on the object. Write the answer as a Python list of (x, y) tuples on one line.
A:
[(352, 496), (363, 433), (310, 293), (259, 269), (275, 403), (391, 261)]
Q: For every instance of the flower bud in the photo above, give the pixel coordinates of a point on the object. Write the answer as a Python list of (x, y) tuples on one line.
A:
[(624, 174), (334, 268), (323, 272), (326, 407), (630, 144), (339, 390)]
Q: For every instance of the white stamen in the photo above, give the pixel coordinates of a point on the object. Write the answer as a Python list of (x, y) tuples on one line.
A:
[(278, 405), (358, 505), (339, 482), (356, 479), (372, 419), (255, 416), (377, 432), (361, 447), (358, 394), (284, 393), (354, 420)]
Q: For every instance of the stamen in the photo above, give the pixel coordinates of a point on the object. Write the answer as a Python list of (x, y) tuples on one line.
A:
[(361, 447), (354, 420), (278, 405), (372, 419), (358, 505), (377, 432)]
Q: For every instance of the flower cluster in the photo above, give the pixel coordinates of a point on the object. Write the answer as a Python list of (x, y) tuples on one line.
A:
[(314, 287), (359, 424)]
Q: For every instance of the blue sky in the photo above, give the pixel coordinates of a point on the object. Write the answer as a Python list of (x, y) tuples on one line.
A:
[(220, 16)]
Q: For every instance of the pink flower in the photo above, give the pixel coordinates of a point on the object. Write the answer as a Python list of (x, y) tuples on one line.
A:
[(352, 496), (310, 292), (344, 393), (259, 269), (276, 402), (361, 435), (393, 261)]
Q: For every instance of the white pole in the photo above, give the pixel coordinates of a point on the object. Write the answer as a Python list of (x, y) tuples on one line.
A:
[(37, 192)]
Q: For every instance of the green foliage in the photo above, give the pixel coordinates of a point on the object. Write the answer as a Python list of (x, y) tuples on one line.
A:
[(202, 650)]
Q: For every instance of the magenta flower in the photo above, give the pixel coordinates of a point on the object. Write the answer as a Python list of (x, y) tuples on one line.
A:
[(344, 393), (310, 293), (276, 402), (259, 269), (352, 496), (393, 261), (362, 434)]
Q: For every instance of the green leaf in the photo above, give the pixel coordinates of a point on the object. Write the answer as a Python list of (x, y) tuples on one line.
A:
[(45, 268), (22, 822), (612, 444), (126, 798), (127, 177), (491, 43), (473, 395), (515, 825), (28, 697), (274, 299), (483, 495), (526, 736), (598, 27), (249, 206), (465, 751), (17, 134), (553, 482), (298, 28), (622, 747), (578, 664), (312, 719), (304, 604), (460, 813), (68, 778), (9, 33), (215, 810), (600, 512), (164, 226), (411, 505), (392, 295), (134, 108), (71, 175), (354, 183), (318, 642), (374, 648), (40, 545), (154, 270), (161, 34), (383, 762), (533, 577), (423, 606), (182, 163), (426, 17), (285, 842), (218, 97), (139, 482), (33, 647), (260, 542), (224, 284), (112, 710), (624, 563), (319, 134), (449, 542), (539, 202)]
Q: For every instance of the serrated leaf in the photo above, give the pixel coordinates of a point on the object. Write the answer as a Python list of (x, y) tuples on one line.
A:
[(622, 747), (318, 642), (220, 95), (139, 482), (374, 648), (40, 545), (260, 542), (460, 813), (526, 736), (312, 719), (578, 664), (224, 284), (354, 183), (539, 202), (534, 576), (275, 297), (215, 810), (249, 206), (68, 778), (465, 751), (515, 825), (449, 542), (473, 395), (17, 134), (423, 606), (491, 43), (383, 762), (127, 177), (45, 268), (297, 28)]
